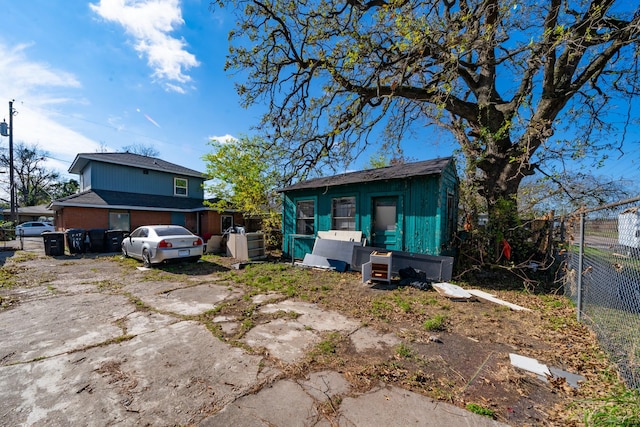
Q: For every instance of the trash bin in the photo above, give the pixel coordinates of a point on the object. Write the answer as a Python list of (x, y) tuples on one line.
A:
[(53, 243), (113, 240), (96, 239), (75, 241)]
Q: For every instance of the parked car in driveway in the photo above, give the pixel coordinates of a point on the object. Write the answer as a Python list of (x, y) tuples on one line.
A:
[(154, 244), (33, 228)]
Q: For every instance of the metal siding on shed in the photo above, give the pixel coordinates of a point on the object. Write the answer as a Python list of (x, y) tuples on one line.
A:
[(422, 236), (422, 208)]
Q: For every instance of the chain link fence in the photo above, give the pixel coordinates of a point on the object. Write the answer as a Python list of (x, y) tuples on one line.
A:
[(603, 279)]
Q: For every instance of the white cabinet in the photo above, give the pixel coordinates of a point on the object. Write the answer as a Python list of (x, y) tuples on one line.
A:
[(246, 246), (378, 268)]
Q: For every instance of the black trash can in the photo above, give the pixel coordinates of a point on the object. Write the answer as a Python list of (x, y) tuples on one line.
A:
[(96, 239), (113, 240), (76, 241), (53, 243)]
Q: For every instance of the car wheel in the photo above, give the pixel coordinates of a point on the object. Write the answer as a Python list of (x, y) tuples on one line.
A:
[(146, 258)]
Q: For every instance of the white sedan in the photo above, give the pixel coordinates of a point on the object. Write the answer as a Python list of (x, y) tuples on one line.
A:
[(33, 228), (154, 244)]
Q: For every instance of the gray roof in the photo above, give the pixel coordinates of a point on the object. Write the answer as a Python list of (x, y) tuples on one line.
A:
[(402, 171), (41, 210), (121, 200), (134, 160)]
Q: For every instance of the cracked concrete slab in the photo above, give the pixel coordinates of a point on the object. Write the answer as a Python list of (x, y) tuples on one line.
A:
[(325, 385), (365, 339), (118, 384), (188, 301), (286, 340), (46, 327), (75, 352), (310, 315), (282, 404), (390, 405)]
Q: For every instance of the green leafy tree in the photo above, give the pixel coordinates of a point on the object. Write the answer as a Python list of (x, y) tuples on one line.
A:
[(503, 76), (64, 188), (244, 178)]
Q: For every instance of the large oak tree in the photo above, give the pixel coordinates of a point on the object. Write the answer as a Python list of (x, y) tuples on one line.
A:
[(503, 76)]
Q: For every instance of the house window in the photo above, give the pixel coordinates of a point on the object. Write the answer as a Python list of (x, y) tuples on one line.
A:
[(305, 216), (226, 222), (119, 221), (180, 186), (343, 213)]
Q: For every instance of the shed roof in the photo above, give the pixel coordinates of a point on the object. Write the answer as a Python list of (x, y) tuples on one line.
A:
[(131, 159), (401, 171)]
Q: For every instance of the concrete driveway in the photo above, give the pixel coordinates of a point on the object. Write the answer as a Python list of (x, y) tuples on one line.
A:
[(88, 341)]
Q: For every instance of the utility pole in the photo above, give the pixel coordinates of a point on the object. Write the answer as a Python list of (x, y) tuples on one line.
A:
[(9, 132), (11, 177)]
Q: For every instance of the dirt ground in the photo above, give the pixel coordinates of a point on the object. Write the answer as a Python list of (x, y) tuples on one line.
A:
[(453, 351)]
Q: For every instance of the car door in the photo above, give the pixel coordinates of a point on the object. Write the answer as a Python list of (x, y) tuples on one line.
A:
[(37, 228), (138, 237)]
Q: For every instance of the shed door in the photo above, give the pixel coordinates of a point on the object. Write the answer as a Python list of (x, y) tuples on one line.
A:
[(386, 230)]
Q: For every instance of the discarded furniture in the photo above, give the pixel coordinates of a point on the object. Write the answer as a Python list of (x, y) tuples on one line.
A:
[(452, 291), (378, 268), (214, 244), (436, 268), (317, 261), (344, 235), (341, 250), (329, 253), (246, 246)]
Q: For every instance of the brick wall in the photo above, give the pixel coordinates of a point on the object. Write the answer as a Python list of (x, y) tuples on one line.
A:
[(85, 218), (89, 218)]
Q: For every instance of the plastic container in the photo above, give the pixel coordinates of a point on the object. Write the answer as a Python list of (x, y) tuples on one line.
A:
[(53, 243), (113, 240), (96, 239), (76, 241)]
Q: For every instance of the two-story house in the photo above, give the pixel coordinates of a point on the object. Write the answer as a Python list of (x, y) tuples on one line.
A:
[(121, 191)]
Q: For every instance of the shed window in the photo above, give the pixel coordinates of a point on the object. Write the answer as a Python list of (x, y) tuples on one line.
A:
[(343, 213), (305, 213), (180, 186)]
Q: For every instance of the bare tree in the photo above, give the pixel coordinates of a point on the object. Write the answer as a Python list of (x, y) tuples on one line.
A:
[(34, 181), (503, 76), (143, 150)]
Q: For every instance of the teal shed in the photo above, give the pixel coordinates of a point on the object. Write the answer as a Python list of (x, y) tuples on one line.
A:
[(411, 207)]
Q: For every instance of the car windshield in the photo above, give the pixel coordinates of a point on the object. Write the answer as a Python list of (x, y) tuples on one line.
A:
[(172, 231)]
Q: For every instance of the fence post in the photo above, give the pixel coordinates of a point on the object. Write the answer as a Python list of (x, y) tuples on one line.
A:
[(580, 267)]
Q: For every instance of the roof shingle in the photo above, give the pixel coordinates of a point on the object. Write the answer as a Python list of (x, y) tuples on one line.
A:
[(401, 171), (118, 199), (130, 159)]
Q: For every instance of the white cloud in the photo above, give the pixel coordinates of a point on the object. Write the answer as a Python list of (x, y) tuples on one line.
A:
[(150, 23), (21, 76), (32, 85), (224, 139)]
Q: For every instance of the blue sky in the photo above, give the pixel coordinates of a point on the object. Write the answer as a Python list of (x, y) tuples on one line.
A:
[(106, 74), (109, 74)]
